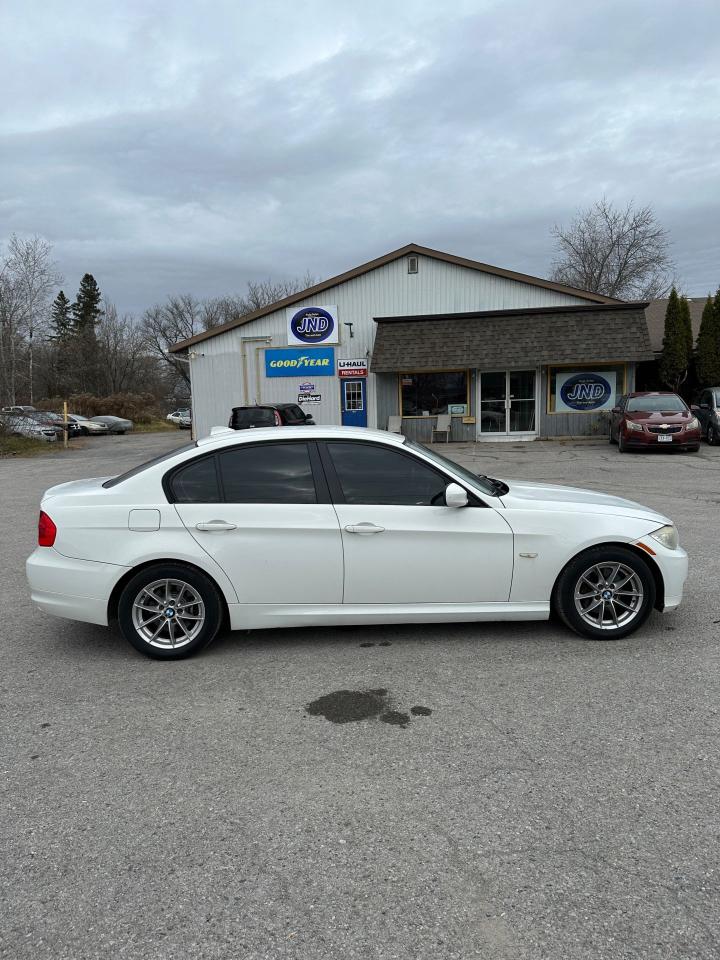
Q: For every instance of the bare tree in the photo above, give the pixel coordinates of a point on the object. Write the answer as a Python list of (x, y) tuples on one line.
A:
[(121, 345), (181, 317), (619, 252), (28, 276)]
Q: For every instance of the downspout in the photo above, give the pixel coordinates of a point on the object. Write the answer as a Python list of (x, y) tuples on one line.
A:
[(243, 341)]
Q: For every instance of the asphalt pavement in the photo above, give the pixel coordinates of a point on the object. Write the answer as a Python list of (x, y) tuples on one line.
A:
[(387, 793)]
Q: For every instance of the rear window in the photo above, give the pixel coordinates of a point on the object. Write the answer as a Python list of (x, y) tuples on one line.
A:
[(655, 405), (148, 463), (254, 417), (294, 414)]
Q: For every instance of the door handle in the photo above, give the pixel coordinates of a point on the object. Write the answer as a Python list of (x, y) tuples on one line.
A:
[(216, 526), (364, 529)]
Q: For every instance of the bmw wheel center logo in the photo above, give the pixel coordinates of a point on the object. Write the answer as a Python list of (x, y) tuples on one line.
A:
[(312, 325), (585, 391)]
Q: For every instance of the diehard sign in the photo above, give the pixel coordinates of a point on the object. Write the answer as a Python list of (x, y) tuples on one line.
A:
[(312, 325), (586, 391), (352, 368), (293, 363), (309, 398)]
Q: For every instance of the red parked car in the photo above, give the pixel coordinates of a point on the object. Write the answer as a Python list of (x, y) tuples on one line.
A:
[(642, 421)]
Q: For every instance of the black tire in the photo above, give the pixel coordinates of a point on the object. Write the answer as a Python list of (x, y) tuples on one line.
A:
[(572, 579), (621, 444), (712, 436), (196, 585)]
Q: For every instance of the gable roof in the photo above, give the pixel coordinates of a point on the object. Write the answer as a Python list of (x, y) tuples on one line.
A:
[(655, 316), (408, 249)]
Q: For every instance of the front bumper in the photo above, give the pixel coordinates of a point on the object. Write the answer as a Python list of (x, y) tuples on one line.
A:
[(685, 440), (673, 565), (74, 589)]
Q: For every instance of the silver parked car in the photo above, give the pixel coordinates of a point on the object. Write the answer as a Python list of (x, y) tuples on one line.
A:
[(19, 426), (115, 424), (87, 426)]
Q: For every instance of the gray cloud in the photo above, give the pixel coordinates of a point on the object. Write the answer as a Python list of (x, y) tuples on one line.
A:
[(170, 150)]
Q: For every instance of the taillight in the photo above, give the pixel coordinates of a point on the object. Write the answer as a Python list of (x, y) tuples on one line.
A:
[(278, 421), (47, 531)]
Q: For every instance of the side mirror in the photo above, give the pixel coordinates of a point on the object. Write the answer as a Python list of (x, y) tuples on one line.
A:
[(615, 410), (703, 406), (309, 420), (455, 495)]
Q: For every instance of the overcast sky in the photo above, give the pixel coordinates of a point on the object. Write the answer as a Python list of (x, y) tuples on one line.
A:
[(170, 147)]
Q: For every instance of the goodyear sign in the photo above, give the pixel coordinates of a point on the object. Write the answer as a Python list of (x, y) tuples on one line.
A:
[(317, 362)]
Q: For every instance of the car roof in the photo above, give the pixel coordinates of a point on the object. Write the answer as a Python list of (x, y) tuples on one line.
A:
[(225, 436)]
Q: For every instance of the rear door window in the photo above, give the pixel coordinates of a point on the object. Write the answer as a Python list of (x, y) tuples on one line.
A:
[(197, 482), (268, 473)]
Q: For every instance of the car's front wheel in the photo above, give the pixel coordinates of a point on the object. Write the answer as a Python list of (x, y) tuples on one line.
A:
[(605, 593), (712, 436), (169, 611)]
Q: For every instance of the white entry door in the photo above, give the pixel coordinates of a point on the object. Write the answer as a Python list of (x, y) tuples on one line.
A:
[(507, 402)]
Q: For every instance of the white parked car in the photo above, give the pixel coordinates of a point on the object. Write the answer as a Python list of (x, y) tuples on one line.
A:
[(337, 525), (180, 418)]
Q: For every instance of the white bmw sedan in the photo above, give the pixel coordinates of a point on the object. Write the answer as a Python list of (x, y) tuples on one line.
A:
[(335, 525)]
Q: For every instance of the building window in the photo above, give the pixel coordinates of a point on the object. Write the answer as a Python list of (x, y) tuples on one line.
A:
[(428, 394), (585, 389)]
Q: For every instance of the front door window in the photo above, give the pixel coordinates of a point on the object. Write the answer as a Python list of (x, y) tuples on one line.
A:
[(507, 402)]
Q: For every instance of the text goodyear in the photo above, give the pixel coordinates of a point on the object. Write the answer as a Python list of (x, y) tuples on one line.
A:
[(320, 362)]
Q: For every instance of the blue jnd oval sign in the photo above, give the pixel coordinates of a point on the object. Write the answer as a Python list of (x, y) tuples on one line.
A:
[(585, 391), (312, 325)]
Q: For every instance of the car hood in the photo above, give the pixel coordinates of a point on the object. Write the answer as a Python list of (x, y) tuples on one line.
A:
[(657, 416), (525, 495)]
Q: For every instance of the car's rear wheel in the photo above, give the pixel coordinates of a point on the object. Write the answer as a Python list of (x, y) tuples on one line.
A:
[(169, 611), (605, 593)]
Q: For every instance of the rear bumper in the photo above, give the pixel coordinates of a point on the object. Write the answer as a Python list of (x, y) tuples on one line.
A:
[(74, 589)]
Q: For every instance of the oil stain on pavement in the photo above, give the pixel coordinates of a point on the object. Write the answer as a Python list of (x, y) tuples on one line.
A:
[(349, 706)]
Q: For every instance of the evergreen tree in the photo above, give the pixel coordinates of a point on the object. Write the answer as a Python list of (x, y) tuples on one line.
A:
[(687, 324), (708, 344), (86, 310), (675, 353), (60, 318)]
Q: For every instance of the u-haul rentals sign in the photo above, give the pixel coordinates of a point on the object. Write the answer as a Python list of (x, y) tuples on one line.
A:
[(352, 368)]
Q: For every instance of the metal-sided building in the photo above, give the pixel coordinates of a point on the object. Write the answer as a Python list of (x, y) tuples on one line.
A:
[(419, 333)]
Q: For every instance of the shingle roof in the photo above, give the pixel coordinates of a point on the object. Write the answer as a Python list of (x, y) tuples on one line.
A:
[(500, 339), (655, 316), (410, 248)]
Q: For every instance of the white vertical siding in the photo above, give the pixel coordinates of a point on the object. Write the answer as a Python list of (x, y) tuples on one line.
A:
[(437, 287)]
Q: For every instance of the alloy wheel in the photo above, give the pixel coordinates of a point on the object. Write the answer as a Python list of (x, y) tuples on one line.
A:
[(609, 595), (168, 614)]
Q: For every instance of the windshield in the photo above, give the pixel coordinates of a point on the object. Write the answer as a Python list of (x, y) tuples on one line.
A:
[(149, 463), (669, 404), (447, 464)]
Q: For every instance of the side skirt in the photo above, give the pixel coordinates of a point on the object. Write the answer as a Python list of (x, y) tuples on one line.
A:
[(259, 616)]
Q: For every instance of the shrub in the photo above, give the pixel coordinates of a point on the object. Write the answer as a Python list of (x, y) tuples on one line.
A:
[(138, 407)]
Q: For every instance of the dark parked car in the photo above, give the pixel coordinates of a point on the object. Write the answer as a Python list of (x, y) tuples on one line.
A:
[(55, 420), (708, 413), (642, 421), (269, 415)]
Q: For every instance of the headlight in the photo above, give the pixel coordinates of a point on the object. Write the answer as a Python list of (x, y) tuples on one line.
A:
[(693, 424), (667, 536), (631, 425)]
